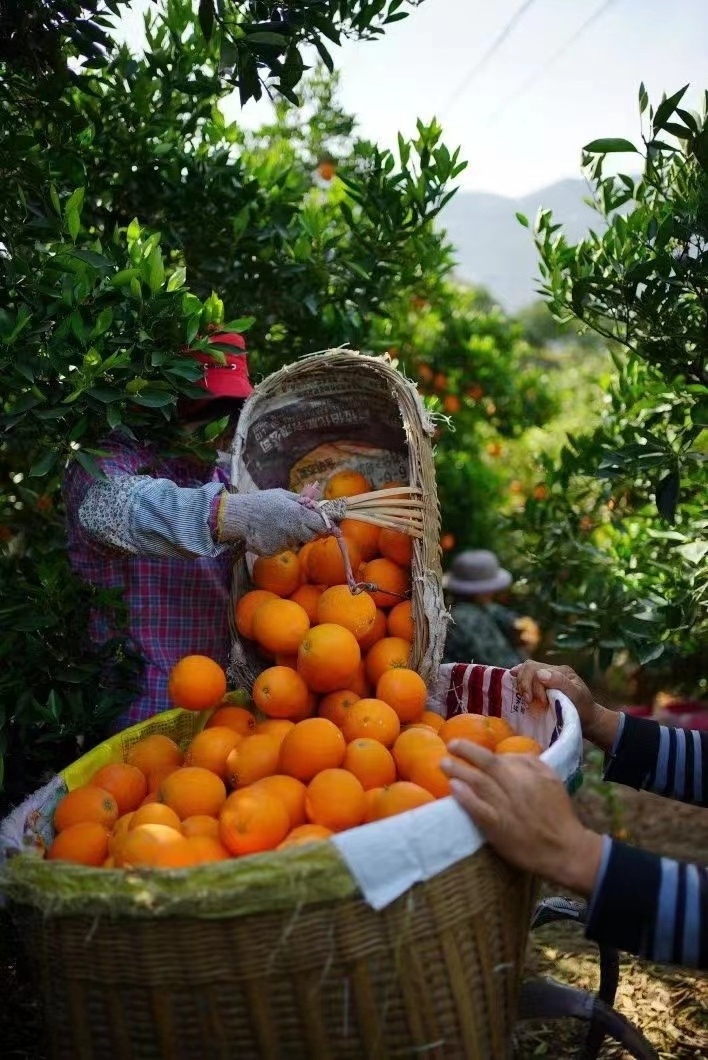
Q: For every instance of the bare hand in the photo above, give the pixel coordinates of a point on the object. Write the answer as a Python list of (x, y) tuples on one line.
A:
[(524, 811), (599, 724)]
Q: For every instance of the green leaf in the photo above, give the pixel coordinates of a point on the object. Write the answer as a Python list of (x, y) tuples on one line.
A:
[(206, 18), (155, 270), (152, 398), (666, 108), (44, 465), (90, 464), (177, 279), (667, 494), (609, 145), (522, 219)]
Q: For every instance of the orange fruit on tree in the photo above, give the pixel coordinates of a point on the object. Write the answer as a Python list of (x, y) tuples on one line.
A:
[(325, 562), (153, 753), (307, 596), (426, 772), (252, 821), (499, 728), (87, 803), (305, 833), (404, 690), (211, 747), (196, 682), (280, 625), (395, 545), (335, 799), (127, 784), (326, 170), (246, 608), (290, 791), (281, 692), (377, 632), (327, 656), (154, 846), (518, 745), (370, 762), (206, 848), (86, 843), (365, 536), (239, 719), (387, 653), (314, 744), (192, 789), (155, 813), (391, 580), (400, 621), (355, 611), (397, 798), (411, 744), (280, 574), (335, 705), (345, 483), (200, 824), (474, 727), (255, 757), (373, 718), (276, 727)]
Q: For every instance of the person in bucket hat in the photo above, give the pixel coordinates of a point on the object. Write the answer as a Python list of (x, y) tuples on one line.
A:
[(163, 530), (482, 630)]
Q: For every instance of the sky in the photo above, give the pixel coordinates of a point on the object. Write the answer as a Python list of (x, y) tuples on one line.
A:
[(519, 85)]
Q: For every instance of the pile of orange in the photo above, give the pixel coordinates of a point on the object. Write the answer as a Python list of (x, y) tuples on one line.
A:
[(344, 736)]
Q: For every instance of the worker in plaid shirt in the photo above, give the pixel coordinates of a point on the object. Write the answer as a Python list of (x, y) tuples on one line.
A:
[(163, 530)]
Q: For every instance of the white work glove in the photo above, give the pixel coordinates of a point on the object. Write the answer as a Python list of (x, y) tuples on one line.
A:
[(270, 521)]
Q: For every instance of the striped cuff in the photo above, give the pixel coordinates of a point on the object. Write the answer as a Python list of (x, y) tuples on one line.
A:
[(634, 752)]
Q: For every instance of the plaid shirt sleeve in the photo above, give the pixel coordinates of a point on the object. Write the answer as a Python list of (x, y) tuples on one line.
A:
[(140, 515)]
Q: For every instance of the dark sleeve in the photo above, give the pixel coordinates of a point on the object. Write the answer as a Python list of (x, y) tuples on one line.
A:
[(660, 758), (652, 906)]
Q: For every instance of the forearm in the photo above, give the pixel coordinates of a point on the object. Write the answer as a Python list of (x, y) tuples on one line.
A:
[(654, 907), (665, 760), (603, 728)]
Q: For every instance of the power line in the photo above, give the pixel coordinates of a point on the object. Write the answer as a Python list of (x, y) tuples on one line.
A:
[(598, 13), (491, 50)]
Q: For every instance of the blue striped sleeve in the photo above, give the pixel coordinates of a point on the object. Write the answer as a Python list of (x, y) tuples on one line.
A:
[(664, 759), (140, 515)]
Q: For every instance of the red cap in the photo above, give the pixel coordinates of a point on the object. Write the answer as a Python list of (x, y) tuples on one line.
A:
[(229, 379)]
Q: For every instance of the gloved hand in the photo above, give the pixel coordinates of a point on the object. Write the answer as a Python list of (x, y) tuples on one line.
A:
[(270, 521)]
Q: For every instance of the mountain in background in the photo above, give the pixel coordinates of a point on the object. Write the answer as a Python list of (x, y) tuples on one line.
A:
[(495, 251)]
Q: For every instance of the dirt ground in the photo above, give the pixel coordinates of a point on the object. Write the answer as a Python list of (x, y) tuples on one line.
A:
[(670, 1006)]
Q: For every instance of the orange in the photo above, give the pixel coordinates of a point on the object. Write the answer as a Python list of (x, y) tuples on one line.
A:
[(153, 753), (154, 846), (377, 632), (280, 625), (346, 483), (412, 743), (280, 692), (87, 803), (276, 727), (127, 784), (335, 705), (518, 745), (371, 798), (370, 762), (155, 778), (211, 747), (335, 799), (385, 654), (239, 719), (400, 621), (392, 581), (255, 757), (325, 562), (192, 789), (196, 682), (432, 719), (206, 848), (252, 821), (282, 658), (426, 771), (200, 824), (397, 798), (500, 729), (303, 553), (373, 718), (280, 574), (305, 833), (364, 535), (246, 608), (155, 813), (307, 595), (395, 545), (85, 843), (327, 656), (326, 170), (474, 727), (289, 791), (313, 744), (405, 691), (358, 681), (355, 611)]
